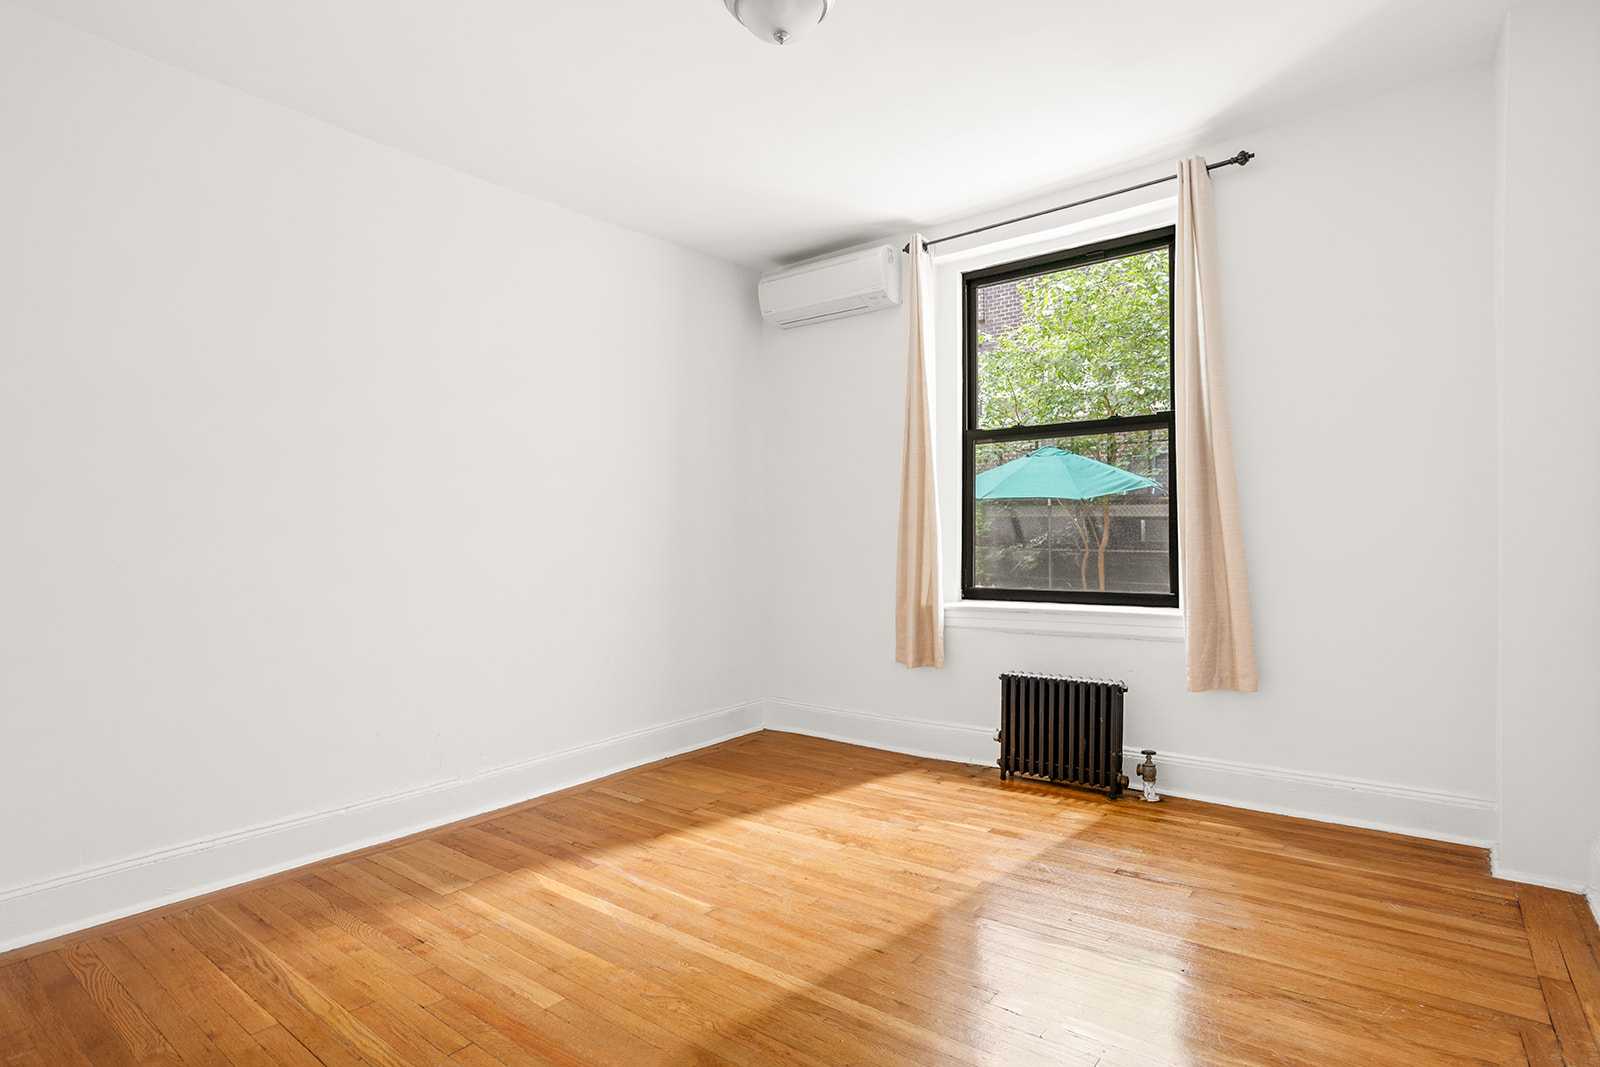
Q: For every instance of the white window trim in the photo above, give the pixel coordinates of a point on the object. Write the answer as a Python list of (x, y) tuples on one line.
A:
[(1148, 209), (1065, 620)]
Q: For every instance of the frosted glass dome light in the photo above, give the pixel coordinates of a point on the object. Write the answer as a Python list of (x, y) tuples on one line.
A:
[(778, 20)]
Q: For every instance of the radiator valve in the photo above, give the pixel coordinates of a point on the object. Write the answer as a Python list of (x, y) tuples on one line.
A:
[(1147, 771)]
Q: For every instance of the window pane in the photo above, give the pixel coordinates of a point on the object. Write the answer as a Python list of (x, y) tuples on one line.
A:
[(1087, 342), (1089, 512)]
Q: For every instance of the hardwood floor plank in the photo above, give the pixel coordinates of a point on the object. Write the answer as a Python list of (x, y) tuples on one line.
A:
[(32, 1033), (379, 964), (473, 1056), (487, 848), (926, 1044), (448, 862), (396, 1031), (483, 1036), (1572, 1026), (665, 1001), (418, 869), (314, 1019), (304, 956), (465, 958), (373, 918), (550, 1039), (185, 967), (282, 1047), (391, 878), (1579, 940), (1541, 1048), (343, 962), (565, 949), (1539, 925), (777, 940), (78, 1013), (188, 1043), (187, 990), (378, 968), (790, 900), (140, 1036)]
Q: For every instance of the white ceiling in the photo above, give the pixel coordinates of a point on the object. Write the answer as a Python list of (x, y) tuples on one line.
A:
[(668, 117)]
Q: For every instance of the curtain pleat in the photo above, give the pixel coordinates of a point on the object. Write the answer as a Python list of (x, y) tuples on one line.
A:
[(1220, 643), (919, 600)]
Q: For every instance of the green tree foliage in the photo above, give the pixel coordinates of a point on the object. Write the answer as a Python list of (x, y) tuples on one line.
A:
[(1092, 343)]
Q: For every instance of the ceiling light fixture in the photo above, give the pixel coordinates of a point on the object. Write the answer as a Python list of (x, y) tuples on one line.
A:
[(778, 20)]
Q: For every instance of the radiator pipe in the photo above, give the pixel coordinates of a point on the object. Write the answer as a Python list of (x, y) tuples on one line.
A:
[(1147, 771)]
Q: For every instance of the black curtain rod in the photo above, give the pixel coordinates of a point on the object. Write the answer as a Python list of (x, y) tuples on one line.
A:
[(1241, 159)]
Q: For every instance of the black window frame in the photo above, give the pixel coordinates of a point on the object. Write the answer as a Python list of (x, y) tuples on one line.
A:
[(972, 437)]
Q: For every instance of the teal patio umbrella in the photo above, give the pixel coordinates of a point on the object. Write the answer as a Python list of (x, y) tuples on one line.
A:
[(1051, 473)]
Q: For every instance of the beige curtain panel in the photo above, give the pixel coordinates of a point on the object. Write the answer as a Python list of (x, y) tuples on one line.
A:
[(1220, 643), (919, 599)]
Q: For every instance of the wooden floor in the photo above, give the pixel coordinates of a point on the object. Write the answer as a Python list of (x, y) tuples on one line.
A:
[(781, 899)]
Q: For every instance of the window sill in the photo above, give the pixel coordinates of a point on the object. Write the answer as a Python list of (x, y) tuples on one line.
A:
[(1066, 620)]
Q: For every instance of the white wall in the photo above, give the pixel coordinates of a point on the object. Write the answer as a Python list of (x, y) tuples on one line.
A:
[(1357, 270), (1549, 365), (343, 495)]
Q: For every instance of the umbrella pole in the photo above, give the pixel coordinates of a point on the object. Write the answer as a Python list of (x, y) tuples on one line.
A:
[(1049, 547)]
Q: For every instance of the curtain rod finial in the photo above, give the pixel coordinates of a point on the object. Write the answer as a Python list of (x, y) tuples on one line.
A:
[(1243, 157)]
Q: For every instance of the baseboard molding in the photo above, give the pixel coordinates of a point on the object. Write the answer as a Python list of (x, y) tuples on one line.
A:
[(1428, 813), (1566, 885), (1589, 889), (82, 899), (1594, 879), (914, 737), (1442, 816)]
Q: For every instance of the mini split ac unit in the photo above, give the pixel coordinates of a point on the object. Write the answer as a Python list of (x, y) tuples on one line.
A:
[(851, 284)]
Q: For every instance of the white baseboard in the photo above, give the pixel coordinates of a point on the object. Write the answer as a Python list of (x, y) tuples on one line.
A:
[(1349, 801), (1589, 889), (1511, 874), (1594, 879), (914, 737), (1462, 818), (85, 898)]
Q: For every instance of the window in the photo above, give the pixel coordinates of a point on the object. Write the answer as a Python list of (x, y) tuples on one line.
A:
[(1067, 472)]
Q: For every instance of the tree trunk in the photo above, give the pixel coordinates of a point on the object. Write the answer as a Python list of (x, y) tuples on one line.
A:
[(1105, 511), (1105, 535), (1084, 525)]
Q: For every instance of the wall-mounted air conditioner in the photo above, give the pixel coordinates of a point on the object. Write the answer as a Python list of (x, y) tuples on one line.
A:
[(850, 284)]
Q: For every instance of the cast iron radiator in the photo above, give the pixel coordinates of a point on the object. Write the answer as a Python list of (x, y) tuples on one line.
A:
[(1064, 729)]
